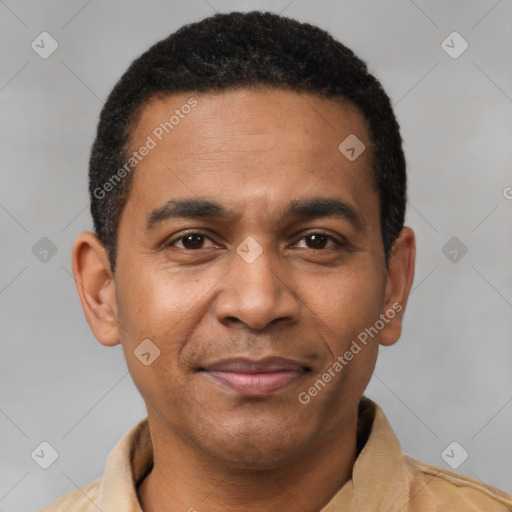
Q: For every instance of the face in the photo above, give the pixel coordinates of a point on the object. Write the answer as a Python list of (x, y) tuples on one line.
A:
[(250, 255)]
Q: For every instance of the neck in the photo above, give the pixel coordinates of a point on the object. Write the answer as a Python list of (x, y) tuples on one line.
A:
[(183, 480)]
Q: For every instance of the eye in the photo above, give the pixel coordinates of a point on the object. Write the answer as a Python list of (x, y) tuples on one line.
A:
[(190, 241), (319, 240), (197, 240)]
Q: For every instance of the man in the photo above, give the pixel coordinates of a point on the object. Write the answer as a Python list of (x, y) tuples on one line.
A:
[(248, 192)]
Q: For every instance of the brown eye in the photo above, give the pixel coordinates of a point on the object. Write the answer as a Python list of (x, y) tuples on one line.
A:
[(320, 241), (189, 242), (317, 241), (193, 241)]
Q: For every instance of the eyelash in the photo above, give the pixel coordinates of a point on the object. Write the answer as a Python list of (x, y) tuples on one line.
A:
[(340, 244)]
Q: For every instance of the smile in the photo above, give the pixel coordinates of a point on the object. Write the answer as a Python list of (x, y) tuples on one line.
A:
[(256, 378), (256, 383)]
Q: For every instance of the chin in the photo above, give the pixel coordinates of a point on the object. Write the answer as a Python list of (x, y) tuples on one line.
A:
[(255, 450)]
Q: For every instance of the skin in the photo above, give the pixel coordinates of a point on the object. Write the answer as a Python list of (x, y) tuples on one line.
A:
[(303, 298)]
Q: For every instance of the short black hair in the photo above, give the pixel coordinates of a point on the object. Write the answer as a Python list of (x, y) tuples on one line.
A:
[(235, 50)]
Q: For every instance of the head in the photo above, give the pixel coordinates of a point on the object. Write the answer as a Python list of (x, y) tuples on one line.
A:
[(233, 220), (233, 51)]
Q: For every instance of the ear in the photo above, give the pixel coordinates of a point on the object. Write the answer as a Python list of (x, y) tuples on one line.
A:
[(96, 287), (400, 275)]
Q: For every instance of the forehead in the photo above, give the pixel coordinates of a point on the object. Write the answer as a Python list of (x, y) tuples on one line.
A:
[(249, 146), (242, 114)]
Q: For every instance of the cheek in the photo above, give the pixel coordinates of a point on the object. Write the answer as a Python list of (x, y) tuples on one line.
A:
[(152, 303), (345, 305), (348, 307), (166, 307), (153, 321)]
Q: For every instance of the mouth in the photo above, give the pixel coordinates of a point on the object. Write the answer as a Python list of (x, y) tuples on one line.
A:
[(255, 378)]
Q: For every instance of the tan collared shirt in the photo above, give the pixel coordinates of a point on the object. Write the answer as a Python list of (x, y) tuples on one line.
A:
[(383, 478)]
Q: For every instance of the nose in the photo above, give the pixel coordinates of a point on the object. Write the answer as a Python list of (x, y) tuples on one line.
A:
[(255, 293)]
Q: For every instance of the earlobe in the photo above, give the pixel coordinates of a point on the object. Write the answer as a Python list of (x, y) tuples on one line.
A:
[(400, 275), (96, 287)]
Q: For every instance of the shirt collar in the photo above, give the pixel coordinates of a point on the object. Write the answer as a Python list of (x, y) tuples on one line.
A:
[(127, 465), (378, 477)]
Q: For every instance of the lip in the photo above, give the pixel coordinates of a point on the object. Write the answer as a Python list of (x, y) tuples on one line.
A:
[(256, 377)]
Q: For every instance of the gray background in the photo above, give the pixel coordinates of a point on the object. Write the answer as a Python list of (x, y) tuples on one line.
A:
[(447, 379)]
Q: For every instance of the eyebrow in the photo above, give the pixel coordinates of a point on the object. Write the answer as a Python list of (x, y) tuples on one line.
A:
[(300, 209)]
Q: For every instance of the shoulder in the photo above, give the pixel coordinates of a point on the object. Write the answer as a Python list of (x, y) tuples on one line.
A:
[(431, 484), (82, 499)]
